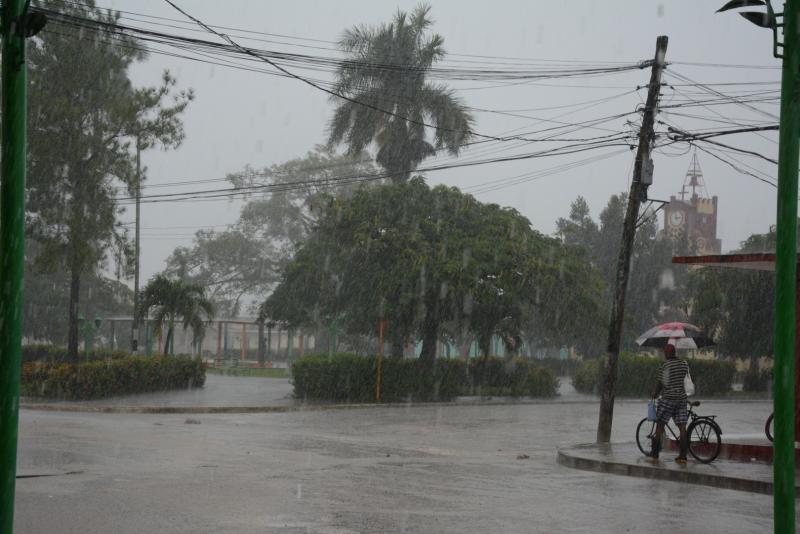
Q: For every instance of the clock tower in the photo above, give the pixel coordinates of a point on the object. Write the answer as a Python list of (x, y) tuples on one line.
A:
[(695, 216)]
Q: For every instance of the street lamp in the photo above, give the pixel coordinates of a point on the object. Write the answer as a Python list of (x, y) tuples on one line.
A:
[(784, 402)]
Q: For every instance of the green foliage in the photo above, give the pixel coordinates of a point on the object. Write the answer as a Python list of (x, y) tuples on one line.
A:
[(81, 140), (655, 285), (515, 377), (47, 296), (166, 300), (566, 367), (737, 305), (351, 378), (99, 379), (59, 354), (245, 260), (587, 376), (386, 70), (433, 262), (712, 377), (638, 375), (756, 379)]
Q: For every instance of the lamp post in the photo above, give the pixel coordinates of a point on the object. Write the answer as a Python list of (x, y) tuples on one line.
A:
[(785, 251)]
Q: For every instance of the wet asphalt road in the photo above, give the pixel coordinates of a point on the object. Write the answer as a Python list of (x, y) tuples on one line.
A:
[(401, 469)]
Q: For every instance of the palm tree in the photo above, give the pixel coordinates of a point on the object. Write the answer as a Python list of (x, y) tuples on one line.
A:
[(170, 300), (390, 101)]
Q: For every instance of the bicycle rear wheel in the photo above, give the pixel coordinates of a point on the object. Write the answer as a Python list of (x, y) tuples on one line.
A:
[(705, 440), (768, 427), (644, 435)]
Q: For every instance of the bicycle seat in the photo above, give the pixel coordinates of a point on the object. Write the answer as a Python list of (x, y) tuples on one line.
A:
[(695, 403)]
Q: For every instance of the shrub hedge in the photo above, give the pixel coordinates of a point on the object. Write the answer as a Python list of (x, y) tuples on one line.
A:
[(98, 379), (351, 378), (756, 380), (637, 376), (56, 354)]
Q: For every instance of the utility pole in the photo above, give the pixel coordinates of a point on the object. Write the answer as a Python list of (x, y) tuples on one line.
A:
[(642, 178), (135, 325), (15, 26)]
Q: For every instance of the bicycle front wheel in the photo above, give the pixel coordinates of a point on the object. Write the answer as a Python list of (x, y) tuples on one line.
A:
[(705, 440), (645, 432)]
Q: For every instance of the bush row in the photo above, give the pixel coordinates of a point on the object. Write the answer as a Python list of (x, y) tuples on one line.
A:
[(56, 354), (352, 378), (637, 376), (560, 367), (98, 379)]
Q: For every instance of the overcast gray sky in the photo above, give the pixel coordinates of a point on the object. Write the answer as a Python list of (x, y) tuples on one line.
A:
[(243, 118)]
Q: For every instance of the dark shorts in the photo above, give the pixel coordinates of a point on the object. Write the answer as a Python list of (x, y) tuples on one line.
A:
[(675, 410)]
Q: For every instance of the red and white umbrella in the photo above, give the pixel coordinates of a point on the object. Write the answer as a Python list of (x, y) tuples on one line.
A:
[(682, 335)]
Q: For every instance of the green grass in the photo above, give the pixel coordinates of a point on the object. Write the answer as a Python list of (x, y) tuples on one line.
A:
[(264, 373)]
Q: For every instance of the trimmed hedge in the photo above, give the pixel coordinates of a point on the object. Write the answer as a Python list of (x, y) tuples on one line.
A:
[(56, 354), (560, 367), (98, 379), (637, 376), (517, 377), (351, 378)]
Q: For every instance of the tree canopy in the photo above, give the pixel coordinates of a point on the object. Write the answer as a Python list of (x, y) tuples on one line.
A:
[(80, 151), (655, 287), (243, 262), (435, 263)]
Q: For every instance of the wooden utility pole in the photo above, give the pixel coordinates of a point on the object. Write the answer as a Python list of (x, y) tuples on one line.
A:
[(136, 250), (642, 178)]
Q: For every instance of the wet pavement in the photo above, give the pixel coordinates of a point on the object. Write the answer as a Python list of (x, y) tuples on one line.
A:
[(469, 468)]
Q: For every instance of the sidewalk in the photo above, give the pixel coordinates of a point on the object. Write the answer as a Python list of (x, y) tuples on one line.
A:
[(626, 459)]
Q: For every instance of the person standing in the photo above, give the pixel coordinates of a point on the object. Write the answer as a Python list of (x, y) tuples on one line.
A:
[(672, 404)]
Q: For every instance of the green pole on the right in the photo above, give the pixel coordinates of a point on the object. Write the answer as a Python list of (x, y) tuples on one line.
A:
[(785, 277)]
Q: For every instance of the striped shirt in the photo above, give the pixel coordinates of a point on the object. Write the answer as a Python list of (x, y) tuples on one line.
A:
[(671, 373)]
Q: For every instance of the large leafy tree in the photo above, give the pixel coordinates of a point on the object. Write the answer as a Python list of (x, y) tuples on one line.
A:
[(244, 261), (434, 262), (389, 100), (167, 300), (83, 115)]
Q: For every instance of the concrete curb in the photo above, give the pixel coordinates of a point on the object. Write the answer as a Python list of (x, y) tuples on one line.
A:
[(53, 407), (573, 457), (285, 408)]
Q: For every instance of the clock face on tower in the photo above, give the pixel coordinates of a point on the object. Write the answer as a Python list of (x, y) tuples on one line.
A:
[(676, 219)]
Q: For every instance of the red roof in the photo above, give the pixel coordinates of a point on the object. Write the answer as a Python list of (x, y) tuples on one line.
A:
[(757, 262)]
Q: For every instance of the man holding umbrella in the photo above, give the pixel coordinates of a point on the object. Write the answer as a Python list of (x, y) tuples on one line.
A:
[(671, 376), (672, 404)]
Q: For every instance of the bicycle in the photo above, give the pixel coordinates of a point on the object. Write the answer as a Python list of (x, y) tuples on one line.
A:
[(704, 434)]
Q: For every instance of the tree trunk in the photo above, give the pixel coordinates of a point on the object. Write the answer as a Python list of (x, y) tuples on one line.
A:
[(485, 345), (74, 299), (167, 341), (430, 335), (396, 348)]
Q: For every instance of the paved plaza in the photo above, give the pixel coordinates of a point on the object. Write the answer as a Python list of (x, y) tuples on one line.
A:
[(455, 468)]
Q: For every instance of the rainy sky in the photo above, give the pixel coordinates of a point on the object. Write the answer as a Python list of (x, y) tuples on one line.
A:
[(244, 118)]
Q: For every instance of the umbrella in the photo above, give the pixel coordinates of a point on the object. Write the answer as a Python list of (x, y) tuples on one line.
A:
[(682, 335)]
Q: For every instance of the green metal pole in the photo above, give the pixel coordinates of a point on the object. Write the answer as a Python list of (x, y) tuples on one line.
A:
[(785, 278), (12, 248)]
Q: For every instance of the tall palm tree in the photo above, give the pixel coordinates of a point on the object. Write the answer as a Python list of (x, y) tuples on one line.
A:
[(169, 300), (386, 73)]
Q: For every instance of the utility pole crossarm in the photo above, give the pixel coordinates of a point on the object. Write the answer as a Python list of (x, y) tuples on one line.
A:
[(642, 178)]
